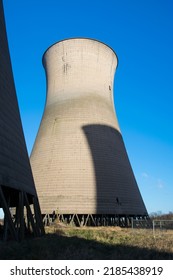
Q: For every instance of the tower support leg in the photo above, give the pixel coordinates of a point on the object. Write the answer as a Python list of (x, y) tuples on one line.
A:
[(7, 213), (30, 217), (24, 221), (38, 216)]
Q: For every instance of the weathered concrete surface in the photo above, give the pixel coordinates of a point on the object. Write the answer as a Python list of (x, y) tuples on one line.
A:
[(79, 160)]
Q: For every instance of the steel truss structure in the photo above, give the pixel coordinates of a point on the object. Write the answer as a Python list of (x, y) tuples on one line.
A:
[(80, 220), (19, 220)]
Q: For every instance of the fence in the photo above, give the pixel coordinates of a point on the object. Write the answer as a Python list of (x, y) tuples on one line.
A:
[(155, 225), (160, 225)]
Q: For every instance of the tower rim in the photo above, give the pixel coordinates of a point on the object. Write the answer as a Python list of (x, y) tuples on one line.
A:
[(80, 38)]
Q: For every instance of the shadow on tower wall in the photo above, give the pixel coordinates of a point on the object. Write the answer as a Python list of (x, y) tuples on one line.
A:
[(116, 187)]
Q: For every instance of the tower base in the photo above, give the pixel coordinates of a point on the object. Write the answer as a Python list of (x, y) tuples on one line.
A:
[(18, 218), (80, 220)]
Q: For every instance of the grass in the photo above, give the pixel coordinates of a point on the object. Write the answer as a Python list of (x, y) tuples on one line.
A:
[(109, 243)]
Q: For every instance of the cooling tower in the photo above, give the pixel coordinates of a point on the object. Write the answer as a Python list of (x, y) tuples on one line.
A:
[(79, 161), (17, 189)]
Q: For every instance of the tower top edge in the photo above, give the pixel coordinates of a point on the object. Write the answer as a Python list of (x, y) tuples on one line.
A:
[(78, 39)]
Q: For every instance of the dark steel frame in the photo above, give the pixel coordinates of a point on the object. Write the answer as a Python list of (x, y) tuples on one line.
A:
[(19, 221)]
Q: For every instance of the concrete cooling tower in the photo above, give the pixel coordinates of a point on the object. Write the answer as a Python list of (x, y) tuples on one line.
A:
[(17, 189), (79, 161)]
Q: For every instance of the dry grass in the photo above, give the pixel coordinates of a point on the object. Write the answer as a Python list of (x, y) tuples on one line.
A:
[(65, 242), (142, 238)]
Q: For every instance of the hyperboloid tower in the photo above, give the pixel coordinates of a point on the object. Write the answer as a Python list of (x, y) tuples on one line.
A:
[(17, 189), (79, 161)]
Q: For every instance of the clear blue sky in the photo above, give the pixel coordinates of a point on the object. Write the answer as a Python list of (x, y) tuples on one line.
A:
[(141, 33)]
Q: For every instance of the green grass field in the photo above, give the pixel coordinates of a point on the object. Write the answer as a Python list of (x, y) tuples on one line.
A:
[(92, 243)]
